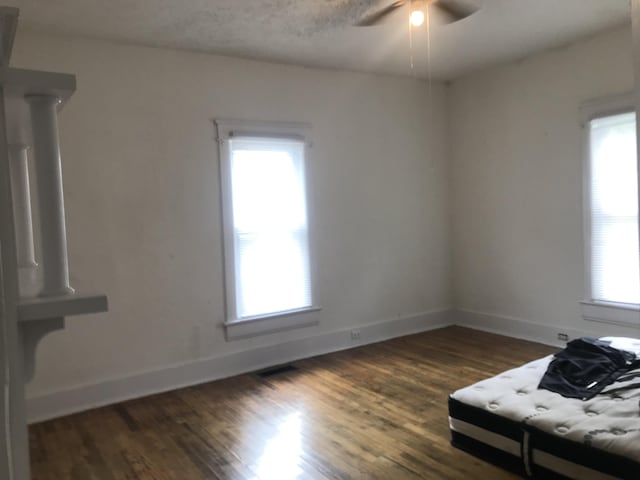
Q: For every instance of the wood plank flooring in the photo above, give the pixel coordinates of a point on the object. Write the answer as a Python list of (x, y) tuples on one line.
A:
[(374, 412)]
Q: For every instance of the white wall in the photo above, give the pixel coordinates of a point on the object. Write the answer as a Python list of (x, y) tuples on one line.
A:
[(142, 196), (141, 184), (516, 146)]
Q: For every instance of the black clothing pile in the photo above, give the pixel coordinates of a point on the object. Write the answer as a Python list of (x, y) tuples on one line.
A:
[(587, 366)]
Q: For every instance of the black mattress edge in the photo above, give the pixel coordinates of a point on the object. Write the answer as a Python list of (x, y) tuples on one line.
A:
[(488, 453), (580, 454)]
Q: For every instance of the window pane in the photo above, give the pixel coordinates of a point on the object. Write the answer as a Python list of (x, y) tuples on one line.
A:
[(273, 273), (270, 226), (614, 210), (267, 185), (615, 261), (613, 168)]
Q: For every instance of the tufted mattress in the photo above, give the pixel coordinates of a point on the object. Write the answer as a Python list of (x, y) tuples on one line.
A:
[(541, 434)]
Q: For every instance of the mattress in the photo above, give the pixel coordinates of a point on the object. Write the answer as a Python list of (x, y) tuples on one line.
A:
[(540, 434)]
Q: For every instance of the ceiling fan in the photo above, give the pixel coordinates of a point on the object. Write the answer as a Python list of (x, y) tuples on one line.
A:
[(454, 10)]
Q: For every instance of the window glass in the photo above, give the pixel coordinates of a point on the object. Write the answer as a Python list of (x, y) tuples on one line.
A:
[(615, 263), (270, 234)]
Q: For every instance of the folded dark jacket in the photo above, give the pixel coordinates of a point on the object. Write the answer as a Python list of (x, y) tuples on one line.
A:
[(585, 367)]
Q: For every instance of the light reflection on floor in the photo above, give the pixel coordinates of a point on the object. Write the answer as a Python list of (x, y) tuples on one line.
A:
[(282, 453)]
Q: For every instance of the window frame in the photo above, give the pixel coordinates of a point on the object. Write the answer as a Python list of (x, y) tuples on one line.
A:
[(237, 328), (616, 313)]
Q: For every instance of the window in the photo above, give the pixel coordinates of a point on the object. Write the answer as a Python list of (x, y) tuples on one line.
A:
[(611, 200), (268, 267)]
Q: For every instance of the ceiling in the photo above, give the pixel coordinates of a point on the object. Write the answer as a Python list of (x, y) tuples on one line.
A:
[(321, 32)]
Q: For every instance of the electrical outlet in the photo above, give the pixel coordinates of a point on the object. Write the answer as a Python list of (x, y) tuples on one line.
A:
[(355, 335), (563, 337)]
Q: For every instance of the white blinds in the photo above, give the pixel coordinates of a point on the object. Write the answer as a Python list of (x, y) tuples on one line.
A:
[(615, 263), (272, 271)]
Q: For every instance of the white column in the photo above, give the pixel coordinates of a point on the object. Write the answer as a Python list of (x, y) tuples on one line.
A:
[(48, 169), (21, 196), (635, 26)]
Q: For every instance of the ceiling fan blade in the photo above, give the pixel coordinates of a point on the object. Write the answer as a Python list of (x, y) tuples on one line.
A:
[(455, 10), (377, 17)]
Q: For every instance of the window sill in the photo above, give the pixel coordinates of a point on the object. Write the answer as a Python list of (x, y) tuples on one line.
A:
[(278, 322), (624, 314)]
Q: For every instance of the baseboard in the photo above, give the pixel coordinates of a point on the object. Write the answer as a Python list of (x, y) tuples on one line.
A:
[(513, 327), (86, 397)]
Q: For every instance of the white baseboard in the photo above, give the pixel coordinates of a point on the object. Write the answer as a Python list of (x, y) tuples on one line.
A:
[(85, 397), (513, 327)]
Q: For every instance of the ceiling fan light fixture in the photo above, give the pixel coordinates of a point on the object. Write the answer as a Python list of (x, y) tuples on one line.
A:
[(417, 17)]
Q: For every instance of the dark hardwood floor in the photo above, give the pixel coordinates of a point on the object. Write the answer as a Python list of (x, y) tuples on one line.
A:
[(374, 412)]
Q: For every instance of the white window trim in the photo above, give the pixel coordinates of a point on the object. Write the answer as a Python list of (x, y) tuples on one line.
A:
[(627, 315), (597, 311), (279, 321)]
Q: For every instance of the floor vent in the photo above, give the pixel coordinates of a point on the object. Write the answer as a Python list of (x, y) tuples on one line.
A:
[(277, 370)]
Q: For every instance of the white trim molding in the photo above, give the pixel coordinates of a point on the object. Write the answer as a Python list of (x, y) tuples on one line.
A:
[(106, 392), (537, 332), (109, 391), (610, 105), (238, 324), (307, 317), (613, 313), (595, 310), (513, 327)]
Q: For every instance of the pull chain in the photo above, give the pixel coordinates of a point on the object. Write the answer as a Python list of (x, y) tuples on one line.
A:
[(411, 44), (430, 87)]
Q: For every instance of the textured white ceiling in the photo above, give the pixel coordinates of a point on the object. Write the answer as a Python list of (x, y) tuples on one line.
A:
[(320, 32)]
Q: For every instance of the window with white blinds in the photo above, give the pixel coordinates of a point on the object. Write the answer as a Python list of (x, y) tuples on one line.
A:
[(613, 205), (269, 226), (268, 261)]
